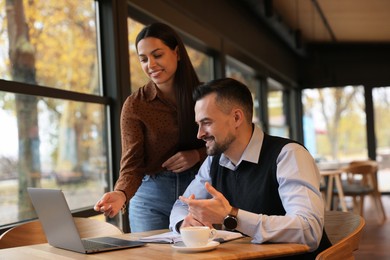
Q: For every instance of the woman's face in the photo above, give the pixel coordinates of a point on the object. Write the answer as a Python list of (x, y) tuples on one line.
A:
[(158, 61)]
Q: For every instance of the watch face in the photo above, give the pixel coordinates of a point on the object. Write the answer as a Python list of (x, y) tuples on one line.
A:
[(230, 222)]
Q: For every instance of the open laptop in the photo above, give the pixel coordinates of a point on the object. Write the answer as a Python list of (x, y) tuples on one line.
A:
[(60, 229)]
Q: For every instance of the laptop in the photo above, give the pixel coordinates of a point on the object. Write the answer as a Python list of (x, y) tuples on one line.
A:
[(60, 229)]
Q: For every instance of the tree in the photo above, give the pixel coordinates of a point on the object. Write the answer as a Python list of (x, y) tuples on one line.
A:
[(22, 59), (53, 43), (332, 113)]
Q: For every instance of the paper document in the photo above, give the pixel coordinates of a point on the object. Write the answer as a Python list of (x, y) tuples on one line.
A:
[(171, 237)]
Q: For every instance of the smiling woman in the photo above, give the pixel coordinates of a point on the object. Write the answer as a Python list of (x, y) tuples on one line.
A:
[(160, 151)]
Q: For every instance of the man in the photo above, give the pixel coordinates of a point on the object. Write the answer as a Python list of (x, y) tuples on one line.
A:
[(262, 186)]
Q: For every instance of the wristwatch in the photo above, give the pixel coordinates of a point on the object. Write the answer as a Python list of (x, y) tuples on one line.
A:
[(230, 221)]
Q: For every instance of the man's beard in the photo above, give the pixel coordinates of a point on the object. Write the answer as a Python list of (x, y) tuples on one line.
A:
[(219, 148)]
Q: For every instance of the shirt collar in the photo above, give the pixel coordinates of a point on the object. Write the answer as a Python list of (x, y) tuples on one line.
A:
[(251, 152), (151, 91)]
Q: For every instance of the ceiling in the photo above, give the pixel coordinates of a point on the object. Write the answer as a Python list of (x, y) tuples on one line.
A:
[(327, 21)]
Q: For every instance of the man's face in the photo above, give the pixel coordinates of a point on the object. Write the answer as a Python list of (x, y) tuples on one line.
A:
[(215, 127)]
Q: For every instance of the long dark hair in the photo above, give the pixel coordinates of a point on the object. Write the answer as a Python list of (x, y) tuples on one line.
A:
[(185, 81)]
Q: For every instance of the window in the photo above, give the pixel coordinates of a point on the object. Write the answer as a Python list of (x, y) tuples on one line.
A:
[(334, 123), (137, 75), (246, 75), (47, 51), (276, 112), (54, 126), (203, 64), (381, 97)]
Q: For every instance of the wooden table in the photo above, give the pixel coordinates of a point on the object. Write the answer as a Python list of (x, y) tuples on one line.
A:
[(237, 249), (336, 176)]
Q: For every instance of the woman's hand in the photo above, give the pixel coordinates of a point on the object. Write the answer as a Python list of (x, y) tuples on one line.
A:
[(182, 161), (111, 203)]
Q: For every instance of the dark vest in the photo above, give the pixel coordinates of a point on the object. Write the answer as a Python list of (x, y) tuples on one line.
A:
[(254, 187)]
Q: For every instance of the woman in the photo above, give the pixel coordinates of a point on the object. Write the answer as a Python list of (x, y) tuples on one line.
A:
[(160, 151)]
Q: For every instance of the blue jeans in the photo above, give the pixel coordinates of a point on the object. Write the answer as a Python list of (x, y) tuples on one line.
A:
[(152, 203)]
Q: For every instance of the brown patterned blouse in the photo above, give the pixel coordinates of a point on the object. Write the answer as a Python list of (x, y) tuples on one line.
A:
[(150, 135)]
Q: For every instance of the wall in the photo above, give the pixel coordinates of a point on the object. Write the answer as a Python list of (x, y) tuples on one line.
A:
[(347, 64)]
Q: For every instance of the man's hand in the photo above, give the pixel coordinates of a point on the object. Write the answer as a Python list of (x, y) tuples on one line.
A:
[(189, 221), (182, 161), (208, 211)]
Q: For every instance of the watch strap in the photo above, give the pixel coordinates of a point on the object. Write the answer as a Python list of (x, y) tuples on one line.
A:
[(233, 212)]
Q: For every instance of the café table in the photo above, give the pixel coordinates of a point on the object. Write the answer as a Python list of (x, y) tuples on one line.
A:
[(334, 176), (241, 248)]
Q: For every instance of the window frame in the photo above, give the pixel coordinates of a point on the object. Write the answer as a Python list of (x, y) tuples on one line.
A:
[(109, 17)]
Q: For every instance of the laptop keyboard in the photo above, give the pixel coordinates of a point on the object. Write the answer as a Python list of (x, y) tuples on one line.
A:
[(92, 245), (108, 242)]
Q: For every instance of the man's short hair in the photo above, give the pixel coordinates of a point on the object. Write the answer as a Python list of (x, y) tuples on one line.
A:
[(229, 92)]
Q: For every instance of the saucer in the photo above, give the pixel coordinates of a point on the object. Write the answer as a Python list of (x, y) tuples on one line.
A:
[(181, 247)]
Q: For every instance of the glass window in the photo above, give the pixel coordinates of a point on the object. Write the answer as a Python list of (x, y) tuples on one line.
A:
[(50, 143), (53, 44), (334, 123), (50, 138), (276, 114), (203, 64), (381, 97), (138, 77), (245, 74)]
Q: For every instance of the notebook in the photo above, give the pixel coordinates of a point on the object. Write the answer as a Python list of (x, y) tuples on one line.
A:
[(60, 229)]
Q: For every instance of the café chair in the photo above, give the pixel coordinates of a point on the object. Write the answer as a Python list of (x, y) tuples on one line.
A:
[(344, 230), (32, 233), (361, 181), (329, 178)]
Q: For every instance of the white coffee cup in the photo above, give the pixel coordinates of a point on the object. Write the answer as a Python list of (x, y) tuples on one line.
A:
[(197, 236)]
